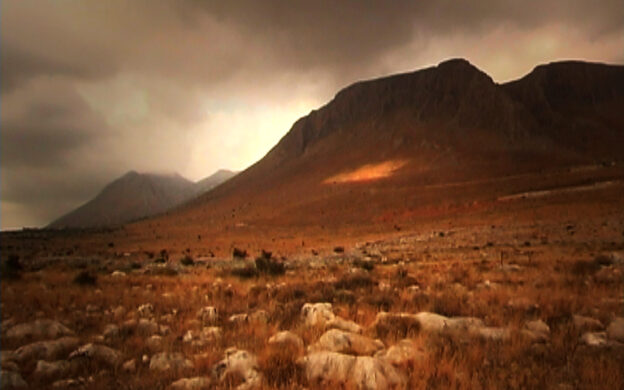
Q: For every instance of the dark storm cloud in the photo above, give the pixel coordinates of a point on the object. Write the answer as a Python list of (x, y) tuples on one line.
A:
[(93, 88)]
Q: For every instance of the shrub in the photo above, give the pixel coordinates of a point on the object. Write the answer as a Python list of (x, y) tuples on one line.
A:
[(270, 266), (246, 272), (187, 261), (85, 278), (239, 253), (354, 281)]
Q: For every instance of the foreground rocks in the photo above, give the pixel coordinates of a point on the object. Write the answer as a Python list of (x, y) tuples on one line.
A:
[(39, 330), (241, 365), (361, 372)]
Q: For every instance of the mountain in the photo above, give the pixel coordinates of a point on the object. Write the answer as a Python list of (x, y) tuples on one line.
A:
[(210, 182), (135, 196), (376, 150)]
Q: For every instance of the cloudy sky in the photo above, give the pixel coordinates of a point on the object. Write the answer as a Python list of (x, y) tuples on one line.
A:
[(92, 89)]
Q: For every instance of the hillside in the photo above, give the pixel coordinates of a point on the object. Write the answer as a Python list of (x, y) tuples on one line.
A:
[(381, 151)]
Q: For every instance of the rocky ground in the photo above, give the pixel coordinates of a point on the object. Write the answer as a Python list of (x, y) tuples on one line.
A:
[(481, 307)]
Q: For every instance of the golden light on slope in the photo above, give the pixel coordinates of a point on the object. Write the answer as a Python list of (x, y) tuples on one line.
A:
[(368, 172)]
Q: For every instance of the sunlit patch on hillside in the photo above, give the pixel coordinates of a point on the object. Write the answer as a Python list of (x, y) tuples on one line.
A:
[(368, 172)]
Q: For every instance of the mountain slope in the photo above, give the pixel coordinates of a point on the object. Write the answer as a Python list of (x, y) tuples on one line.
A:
[(375, 149), (137, 195)]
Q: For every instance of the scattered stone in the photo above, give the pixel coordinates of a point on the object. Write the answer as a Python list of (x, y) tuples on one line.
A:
[(615, 330), (46, 350), (401, 323), (59, 369), (537, 331), (594, 339), (129, 366), (402, 354), (288, 340), (147, 327), (165, 361), (196, 383), (111, 331), (118, 274), (99, 353), (490, 333), (39, 329), (11, 380), (241, 364), (69, 383), (585, 324), (146, 310), (119, 312), (207, 315), (336, 340), (154, 343), (317, 314), (362, 372), (342, 324)]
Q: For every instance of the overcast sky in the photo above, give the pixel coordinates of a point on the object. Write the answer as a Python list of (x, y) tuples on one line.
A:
[(92, 89)]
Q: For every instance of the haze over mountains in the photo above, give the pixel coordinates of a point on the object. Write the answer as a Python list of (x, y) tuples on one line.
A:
[(374, 148), (138, 195)]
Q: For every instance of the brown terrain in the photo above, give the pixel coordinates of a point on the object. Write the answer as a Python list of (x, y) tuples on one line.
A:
[(429, 230)]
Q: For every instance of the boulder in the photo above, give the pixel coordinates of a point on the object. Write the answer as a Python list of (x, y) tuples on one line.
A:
[(342, 324), (400, 323), (402, 354), (11, 380), (489, 333), (287, 340), (615, 330), (129, 366), (111, 332), (537, 331), (362, 372), (196, 383), (336, 340), (154, 343), (146, 310), (317, 314), (59, 369), (147, 327), (239, 364), (585, 324), (207, 315), (169, 361), (98, 353), (594, 339), (46, 350), (38, 330)]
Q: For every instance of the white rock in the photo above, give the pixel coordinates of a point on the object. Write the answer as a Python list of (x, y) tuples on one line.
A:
[(169, 361), (207, 315), (342, 324), (336, 340), (46, 350), (196, 383), (615, 330), (129, 366), (99, 353), (39, 329), (146, 310), (317, 314), (239, 363), (584, 324), (402, 353), (594, 339), (287, 340), (11, 380)]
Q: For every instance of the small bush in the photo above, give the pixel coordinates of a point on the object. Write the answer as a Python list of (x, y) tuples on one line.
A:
[(246, 272), (367, 265), (339, 249), (85, 278), (585, 267), (187, 261), (269, 266), (239, 253)]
